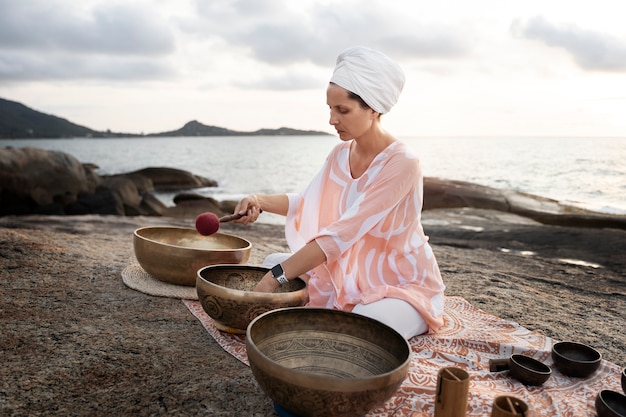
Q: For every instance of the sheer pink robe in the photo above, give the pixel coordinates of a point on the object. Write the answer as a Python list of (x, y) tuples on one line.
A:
[(370, 230)]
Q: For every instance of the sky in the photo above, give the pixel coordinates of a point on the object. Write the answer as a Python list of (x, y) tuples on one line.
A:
[(473, 68)]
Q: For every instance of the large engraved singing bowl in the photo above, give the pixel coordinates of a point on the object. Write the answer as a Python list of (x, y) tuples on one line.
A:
[(174, 254), (227, 295), (322, 362)]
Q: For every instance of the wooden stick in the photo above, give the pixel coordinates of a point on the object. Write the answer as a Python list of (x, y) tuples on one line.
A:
[(449, 372), (232, 217), (513, 409)]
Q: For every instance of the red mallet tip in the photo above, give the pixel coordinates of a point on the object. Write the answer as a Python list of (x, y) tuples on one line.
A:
[(207, 223)]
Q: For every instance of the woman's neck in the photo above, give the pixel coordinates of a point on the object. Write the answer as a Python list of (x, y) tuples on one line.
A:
[(364, 149), (374, 141)]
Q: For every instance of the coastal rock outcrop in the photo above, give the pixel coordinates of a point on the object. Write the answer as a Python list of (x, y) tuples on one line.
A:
[(37, 181), (441, 193)]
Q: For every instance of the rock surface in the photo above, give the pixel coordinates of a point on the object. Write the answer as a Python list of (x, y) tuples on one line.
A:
[(76, 341)]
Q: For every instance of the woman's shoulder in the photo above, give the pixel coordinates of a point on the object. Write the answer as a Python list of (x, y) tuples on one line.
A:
[(399, 150), (338, 149)]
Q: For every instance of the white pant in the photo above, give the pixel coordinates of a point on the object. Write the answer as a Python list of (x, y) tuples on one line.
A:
[(395, 313)]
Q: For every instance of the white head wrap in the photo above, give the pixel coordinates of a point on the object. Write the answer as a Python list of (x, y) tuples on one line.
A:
[(371, 75)]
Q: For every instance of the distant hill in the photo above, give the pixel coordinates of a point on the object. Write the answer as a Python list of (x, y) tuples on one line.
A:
[(20, 122), (194, 128)]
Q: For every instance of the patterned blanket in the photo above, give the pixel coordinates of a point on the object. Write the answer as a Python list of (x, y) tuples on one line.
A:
[(469, 338)]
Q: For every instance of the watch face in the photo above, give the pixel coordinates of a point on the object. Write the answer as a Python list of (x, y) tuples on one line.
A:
[(277, 270)]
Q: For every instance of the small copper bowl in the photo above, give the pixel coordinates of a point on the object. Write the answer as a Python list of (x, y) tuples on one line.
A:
[(575, 359), (323, 362), (226, 293), (527, 370), (174, 254), (611, 404)]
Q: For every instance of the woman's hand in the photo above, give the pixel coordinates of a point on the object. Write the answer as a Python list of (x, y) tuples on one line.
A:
[(249, 208), (267, 284)]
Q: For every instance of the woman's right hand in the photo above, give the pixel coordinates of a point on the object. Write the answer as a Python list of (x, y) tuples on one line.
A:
[(250, 209)]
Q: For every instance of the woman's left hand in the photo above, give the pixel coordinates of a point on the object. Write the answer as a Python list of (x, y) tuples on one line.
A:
[(267, 284)]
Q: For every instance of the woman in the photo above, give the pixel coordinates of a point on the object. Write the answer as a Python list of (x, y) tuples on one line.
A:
[(355, 231)]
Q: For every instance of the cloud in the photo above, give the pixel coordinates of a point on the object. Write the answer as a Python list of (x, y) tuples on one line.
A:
[(105, 28), (277, 34), (288, 80), (149, 39), (21, 66), (591, 50), (62, 40)]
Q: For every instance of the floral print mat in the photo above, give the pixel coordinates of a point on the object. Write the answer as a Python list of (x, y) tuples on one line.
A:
[(468, 339)]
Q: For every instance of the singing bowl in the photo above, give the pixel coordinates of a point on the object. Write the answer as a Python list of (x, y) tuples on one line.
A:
[(175, 254), (323, 362), (610, 404), (527, 370), (575, 359), (226, 293)]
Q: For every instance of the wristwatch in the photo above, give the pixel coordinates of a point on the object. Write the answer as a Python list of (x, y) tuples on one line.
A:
[(279, 273)]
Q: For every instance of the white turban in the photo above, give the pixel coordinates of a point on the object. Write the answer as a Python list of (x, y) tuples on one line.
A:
[(371, 75)]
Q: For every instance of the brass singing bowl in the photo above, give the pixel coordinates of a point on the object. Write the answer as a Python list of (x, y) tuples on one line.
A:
[(227, 295), (323, 362), (175, 254), (575, 359)]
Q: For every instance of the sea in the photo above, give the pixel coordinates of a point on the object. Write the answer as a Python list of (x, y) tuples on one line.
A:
[(585, 172)]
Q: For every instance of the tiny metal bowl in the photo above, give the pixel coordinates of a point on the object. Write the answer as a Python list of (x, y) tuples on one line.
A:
[(610, 404), (174, 254), (323, 362), (227, 295), (575, 359), (528, 371)]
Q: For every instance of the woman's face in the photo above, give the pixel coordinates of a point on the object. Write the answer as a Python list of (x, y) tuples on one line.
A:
[(347, 116)]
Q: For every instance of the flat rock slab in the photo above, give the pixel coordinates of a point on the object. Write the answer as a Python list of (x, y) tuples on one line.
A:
[(76, 341)]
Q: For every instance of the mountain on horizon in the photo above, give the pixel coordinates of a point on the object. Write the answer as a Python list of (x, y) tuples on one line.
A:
[(195, 128), (18, 121)]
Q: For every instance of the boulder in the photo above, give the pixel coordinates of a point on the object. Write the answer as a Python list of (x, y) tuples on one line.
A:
[(189, 205), (440, 193), (167, 179), (32, 178), (446, 194), (37, 181)]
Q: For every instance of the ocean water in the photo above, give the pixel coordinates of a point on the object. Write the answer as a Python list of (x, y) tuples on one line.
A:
[(586, 172)]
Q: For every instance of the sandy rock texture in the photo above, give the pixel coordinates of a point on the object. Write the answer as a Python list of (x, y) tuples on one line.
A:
[(74, 340)]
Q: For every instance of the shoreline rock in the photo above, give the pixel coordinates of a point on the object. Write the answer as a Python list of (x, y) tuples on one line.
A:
[(35, 181)]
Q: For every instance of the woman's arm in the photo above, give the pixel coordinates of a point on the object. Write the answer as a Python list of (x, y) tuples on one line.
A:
[(298, 264)]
